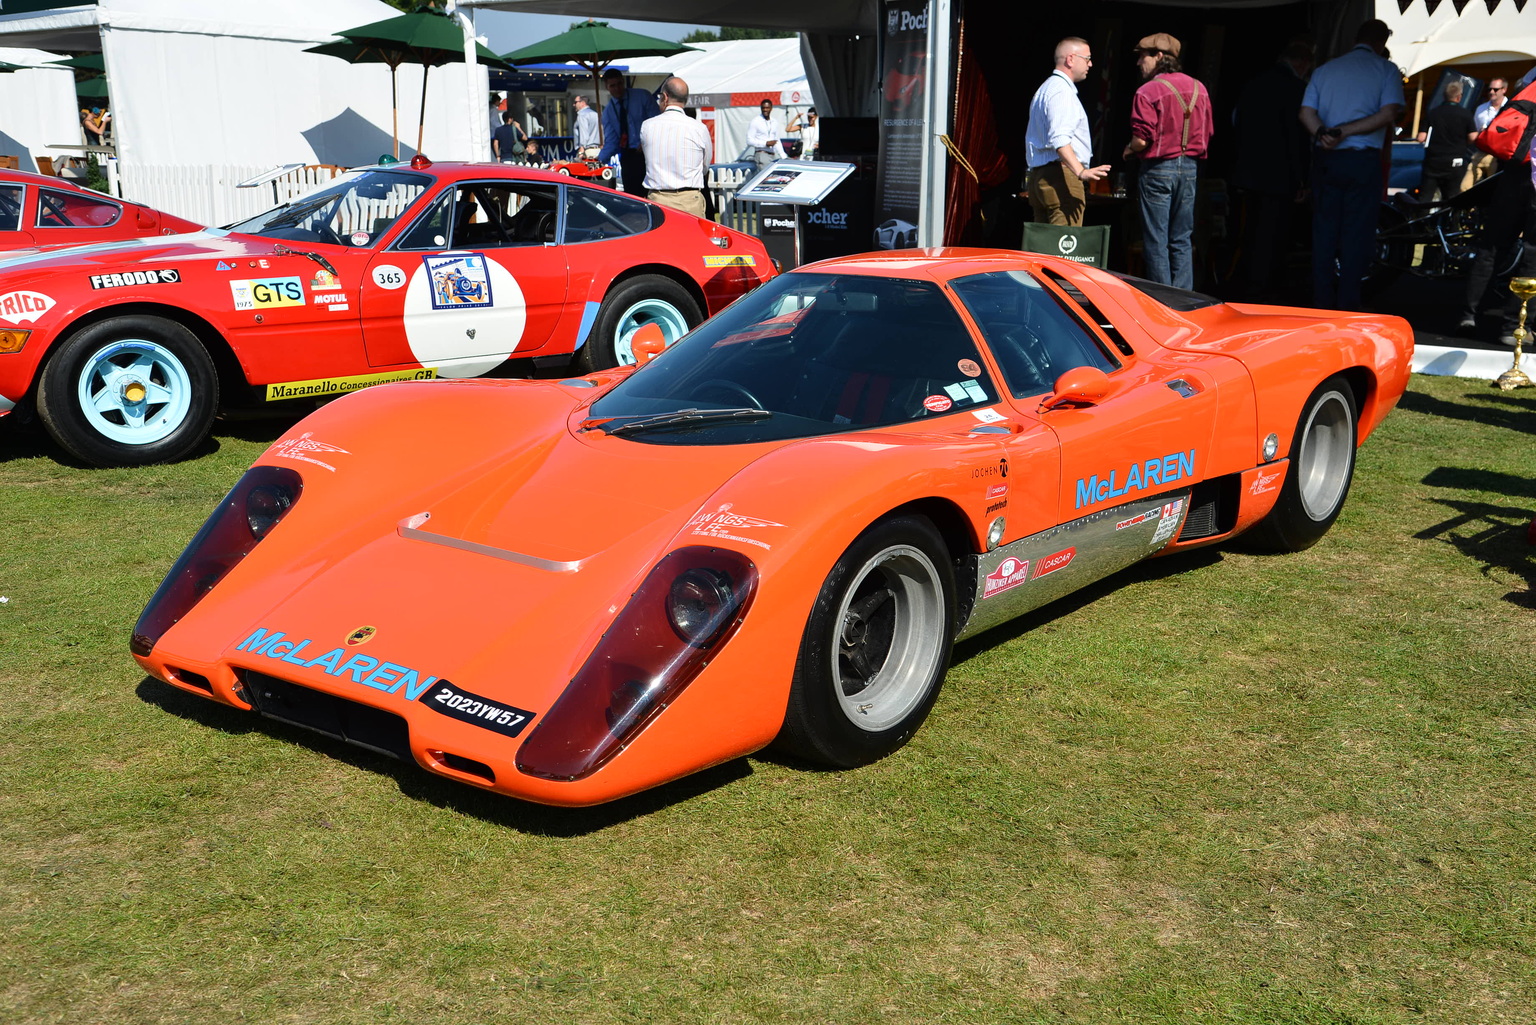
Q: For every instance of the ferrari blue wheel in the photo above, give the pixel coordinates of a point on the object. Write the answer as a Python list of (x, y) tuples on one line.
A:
[(642, 300), (129, 392), (135, 392), (669, 318)]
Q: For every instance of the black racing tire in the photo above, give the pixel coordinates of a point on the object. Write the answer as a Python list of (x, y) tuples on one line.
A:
[(875, 649), (1321, 469), (632, 304), (130, 391)]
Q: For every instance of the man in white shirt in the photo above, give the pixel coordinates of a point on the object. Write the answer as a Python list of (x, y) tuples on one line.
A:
[(763, 136), (810, 134), (1059, 149), (676, 151), (1482, 164), (588, 135)]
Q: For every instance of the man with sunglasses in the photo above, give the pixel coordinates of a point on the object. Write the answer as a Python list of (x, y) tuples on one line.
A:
[(1058, 147), (1482, 164), (1170, 129)]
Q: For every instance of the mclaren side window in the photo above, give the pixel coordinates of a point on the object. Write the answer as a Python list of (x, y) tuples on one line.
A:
[(57, 208), (804, 355), (592, 215), (10, 207), (487, 215), (1034, 339)]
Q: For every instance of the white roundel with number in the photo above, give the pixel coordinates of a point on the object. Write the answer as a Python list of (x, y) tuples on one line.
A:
[(387, 275), (464, 332)]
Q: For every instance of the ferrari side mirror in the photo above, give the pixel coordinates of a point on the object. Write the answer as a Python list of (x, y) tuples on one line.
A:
[(1080, 386), (647, 342)]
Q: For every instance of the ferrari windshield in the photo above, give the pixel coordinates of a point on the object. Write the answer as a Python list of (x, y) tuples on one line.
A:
[(352, 210), (816, 354)]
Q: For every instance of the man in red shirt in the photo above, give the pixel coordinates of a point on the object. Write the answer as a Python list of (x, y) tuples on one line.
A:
[(1170, 129)]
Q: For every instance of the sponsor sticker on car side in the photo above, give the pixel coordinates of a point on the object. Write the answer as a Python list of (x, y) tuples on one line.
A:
[(19, 306), (266, 293), (136, 277), (341, 385), (1009, 574)]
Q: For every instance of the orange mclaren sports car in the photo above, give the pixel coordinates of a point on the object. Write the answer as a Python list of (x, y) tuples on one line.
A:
[(770, 534)]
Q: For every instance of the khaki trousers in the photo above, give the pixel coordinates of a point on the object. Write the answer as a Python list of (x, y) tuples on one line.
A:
[(689, 201), (1055, 196)]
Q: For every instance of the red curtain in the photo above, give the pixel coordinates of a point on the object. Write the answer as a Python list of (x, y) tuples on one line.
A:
[(973, 132)]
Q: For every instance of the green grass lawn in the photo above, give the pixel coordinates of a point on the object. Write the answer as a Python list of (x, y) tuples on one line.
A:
[(1222, 788)]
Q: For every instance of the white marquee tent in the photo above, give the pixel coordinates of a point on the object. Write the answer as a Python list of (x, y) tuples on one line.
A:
[(39, 105), (199, 84), (734, 76), (1475, 35)]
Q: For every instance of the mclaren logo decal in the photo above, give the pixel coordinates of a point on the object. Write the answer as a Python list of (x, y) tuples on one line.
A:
[(390, 677)]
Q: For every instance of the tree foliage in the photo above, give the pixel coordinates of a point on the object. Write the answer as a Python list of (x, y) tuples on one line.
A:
[(728, 32)]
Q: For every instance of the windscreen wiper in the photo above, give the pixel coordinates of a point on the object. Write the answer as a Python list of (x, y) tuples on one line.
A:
[(676, 418), (282, 250)]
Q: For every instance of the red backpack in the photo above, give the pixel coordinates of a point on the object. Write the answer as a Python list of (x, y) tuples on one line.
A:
[(1508, 135)]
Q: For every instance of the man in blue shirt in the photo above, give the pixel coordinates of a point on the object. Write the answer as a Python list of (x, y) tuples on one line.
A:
[(1349, 107), (1058, 147), (626, 111)]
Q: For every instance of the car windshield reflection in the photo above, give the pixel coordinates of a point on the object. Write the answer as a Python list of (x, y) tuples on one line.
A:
[(351, 210), (822, 353)]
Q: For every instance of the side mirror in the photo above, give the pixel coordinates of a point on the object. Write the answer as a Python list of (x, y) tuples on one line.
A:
[(1080, 386), (647, 342)]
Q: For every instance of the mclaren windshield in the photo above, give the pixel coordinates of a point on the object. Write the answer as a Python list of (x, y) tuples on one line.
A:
[(351, 210), (805, 355)]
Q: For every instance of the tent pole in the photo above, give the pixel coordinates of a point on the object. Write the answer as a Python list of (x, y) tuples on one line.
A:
[(597, 94), (421, 123)]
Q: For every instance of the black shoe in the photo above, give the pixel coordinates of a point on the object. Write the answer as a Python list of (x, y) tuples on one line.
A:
[(1468, 322)]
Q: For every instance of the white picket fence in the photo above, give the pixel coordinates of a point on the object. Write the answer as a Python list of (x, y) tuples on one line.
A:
[(207, 193)]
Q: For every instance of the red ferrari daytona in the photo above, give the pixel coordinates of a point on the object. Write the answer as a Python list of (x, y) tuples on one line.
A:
[(128, 349)]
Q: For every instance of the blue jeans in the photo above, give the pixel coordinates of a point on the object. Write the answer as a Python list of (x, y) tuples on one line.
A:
[(1346, 194), (1167, 190)]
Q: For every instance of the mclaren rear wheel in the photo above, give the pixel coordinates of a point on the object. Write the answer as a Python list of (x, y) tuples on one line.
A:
[(875, 648), (1322, 467)]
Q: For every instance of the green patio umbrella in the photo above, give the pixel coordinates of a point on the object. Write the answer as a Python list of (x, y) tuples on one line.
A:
[(595, 45), (428, 38), (92, 89), (86, 62)]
